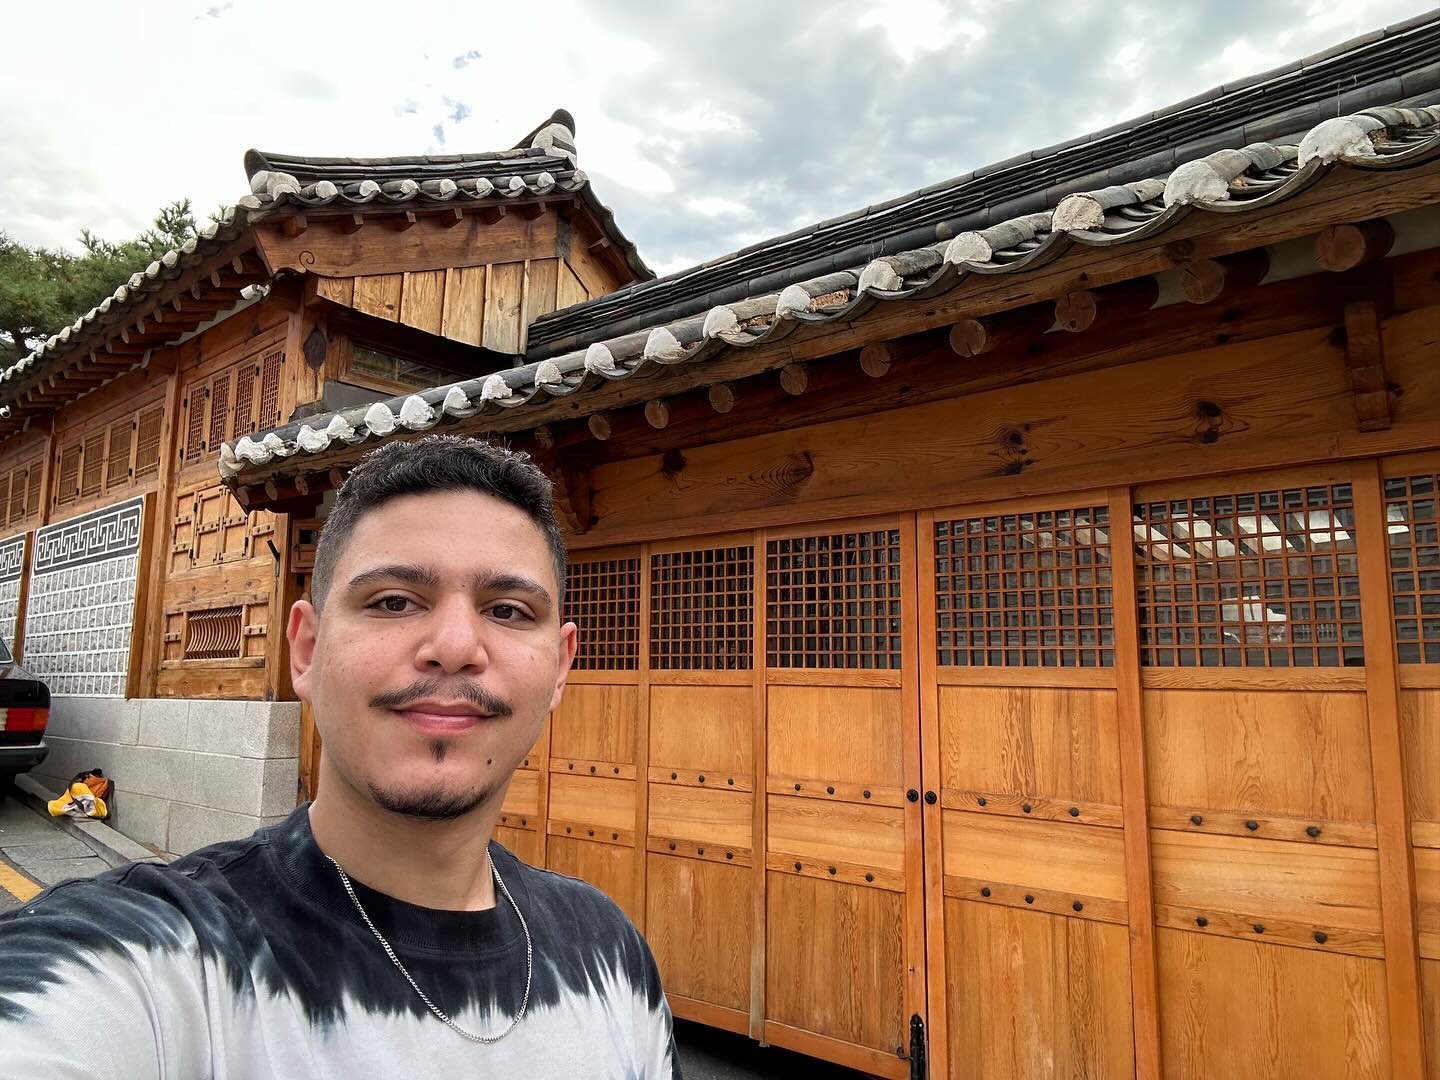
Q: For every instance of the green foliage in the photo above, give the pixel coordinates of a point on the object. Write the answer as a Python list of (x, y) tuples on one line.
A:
[(45, 289)]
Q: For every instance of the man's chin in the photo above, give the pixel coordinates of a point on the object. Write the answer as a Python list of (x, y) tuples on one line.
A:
[(430, 803)]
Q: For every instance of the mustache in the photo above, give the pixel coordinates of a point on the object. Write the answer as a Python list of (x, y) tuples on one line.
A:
[(462, 690)]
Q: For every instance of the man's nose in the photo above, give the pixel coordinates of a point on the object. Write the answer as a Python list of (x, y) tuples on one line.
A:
[(455, 640)]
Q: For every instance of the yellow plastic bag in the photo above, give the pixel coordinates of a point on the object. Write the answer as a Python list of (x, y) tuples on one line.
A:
[(84, 798)]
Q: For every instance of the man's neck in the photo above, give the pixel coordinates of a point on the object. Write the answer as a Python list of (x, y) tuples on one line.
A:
[(443, 865)]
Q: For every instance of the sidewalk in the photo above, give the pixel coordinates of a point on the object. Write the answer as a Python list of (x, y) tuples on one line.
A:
[(35, 852)]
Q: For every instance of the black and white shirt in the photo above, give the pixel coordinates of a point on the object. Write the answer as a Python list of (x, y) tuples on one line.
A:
[(247, 959)]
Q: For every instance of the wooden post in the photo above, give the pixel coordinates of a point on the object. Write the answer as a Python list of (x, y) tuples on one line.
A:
[(1365, 364), (1392, 829), (154, 627), (642, 742), (760, 787), (1135, 797)]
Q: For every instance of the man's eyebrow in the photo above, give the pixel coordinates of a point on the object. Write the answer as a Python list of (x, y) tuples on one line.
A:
[(406, 573), (489, 581)]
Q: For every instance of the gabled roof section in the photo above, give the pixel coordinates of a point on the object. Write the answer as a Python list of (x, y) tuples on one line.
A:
[(283, 185), (1397, 63), (1242, 181)]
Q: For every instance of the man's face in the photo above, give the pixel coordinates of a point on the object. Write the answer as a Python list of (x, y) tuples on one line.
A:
[(439, 653)]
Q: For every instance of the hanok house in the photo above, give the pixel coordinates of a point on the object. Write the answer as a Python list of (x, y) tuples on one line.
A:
[(151, 601), (896, 752)]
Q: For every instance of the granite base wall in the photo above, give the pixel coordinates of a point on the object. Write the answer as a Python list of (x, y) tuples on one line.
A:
[(187, 772)]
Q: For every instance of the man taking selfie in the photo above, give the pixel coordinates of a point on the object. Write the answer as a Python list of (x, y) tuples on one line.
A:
[(377, 931)]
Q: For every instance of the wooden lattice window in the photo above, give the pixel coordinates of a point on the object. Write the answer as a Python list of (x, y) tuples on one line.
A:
[(243, 422), (32, 491), (213, 633), (702, 609), (117, 457), (67, 485), (1025, 590), (9, 506), (147, 441), (219, 408), (195, 398), (92, 476), (1413, 527), (602, 598), (833, 600), (270, 368), (1260, 579)]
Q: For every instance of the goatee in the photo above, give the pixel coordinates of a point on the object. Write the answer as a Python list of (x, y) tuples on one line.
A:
[(433, 804)]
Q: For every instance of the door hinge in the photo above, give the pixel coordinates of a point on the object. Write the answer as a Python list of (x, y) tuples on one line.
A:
[(918, 1067)]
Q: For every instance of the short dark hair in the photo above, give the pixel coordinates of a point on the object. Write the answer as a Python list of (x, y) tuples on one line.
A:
[(436, 463)]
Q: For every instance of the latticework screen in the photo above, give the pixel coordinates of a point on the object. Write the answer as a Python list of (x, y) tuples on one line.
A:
[(1260, 579), (702, 609), (1025, 590), (213, 633), (833, 601), (602, 598), (1414, 548)]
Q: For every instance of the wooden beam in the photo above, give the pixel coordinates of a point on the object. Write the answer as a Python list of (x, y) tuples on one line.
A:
[(721, 397), (599, 426), (531, 210), (1365, 364), (451, 217), (350, 223), (1078, 311), (294, 225), (402, 221), (1207, 280), (657, 414), (993, 333), (1344, 247), (491, 213), (794, 379)]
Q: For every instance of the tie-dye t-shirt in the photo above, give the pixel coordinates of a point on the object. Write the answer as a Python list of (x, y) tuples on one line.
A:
[(247, 959)]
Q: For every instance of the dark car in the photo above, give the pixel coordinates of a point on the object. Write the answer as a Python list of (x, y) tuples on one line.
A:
[(24, 712)]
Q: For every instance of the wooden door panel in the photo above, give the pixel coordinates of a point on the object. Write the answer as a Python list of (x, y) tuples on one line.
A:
[(836, 960), (1289, 753), (1290, 891), (1420, 729), (835, 733), (1052, 742), (698, 924), (700, 728), (1427, 896), (694, 816), (1245, 1008), (596, 723), (1430, 990), (521, 808), (859, 839), (1033, 996), (609, 867), (593, 807), (209, 524), (522, 843)]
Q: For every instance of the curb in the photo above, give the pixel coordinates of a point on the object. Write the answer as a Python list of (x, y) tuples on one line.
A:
[(113, 847)]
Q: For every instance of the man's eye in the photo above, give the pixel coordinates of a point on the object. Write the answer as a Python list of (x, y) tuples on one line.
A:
[(393, 605), (509, 613)]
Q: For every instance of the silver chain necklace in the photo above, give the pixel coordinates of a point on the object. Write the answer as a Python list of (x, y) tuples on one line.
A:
[(444, 1019)]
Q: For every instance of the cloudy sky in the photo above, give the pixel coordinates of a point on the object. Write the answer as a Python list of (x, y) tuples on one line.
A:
[(706, 125)]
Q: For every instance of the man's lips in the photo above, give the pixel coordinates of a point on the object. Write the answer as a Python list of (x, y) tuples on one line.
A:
[(440, 717)]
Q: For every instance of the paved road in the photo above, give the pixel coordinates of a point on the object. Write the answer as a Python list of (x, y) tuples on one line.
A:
[(34, 852)]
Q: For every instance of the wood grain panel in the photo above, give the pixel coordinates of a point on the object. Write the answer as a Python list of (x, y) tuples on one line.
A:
[(1290, 753), (701, 727), (422, 300), (595, 723), (836, 832), (525, 844), (609, 867), (849, 734), (1081, 860), (504, 294), (1420, 730), (590, 800), (1060, 743), (1310, 886), (464, 311), (698, 925), (1427, 899), (569, 289), (523, 797), (540, 288), (849, 985), (688, 813), (1430, 1003), (379, 295), (1033, 996), (1246, 1009)]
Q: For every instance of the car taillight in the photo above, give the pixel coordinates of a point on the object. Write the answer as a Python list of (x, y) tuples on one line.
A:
[(24, 719)]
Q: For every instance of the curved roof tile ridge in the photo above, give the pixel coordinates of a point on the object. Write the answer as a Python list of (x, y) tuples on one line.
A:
[(1224, 181)]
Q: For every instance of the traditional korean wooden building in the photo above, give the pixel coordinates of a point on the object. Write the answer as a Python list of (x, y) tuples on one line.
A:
[(899, 753)]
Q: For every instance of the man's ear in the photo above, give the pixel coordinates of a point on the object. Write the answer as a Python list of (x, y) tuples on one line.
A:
[(301, 630), (569, 638)]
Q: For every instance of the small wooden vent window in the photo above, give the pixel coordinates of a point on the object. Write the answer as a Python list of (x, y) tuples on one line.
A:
[(602, 598), (117, 459), (1261, 579), (67, 485), (833, 600), (148, 429), (20, 493), (213, 633), (1413, 528), (1025, 590), (235, 401), (702, 609)]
